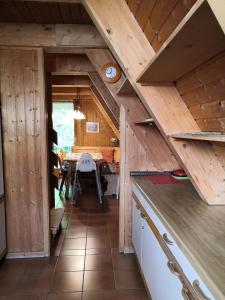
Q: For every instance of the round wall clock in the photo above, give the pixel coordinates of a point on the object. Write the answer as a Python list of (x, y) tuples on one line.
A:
[(110, 72)]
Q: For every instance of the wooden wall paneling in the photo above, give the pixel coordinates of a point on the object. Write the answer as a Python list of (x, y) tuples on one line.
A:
[(93, 114), (106, 116), (135, 111), (133, 5), (123, 198), (44, 149), (203, 91), (159, 18), (163, 103), (144, 11), (22, 95), (58, 35)]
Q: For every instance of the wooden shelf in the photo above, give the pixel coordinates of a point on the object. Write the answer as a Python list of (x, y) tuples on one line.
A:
[(197, 38), (145, 122), (126, 89), (201, 136)]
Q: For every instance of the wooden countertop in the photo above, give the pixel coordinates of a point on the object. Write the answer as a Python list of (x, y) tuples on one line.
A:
[(198, 229)]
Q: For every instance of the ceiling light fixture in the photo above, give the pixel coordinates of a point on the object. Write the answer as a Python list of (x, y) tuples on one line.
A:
[(78, 115)]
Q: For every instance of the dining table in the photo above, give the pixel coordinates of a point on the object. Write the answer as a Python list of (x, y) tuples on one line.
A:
[(70, 160)]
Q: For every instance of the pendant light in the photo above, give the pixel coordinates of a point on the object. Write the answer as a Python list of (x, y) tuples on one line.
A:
[(78, 115)]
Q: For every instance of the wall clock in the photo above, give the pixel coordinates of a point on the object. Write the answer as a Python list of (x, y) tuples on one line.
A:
[(110, 72)]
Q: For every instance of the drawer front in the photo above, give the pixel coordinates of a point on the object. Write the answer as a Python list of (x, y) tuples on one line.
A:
[(189, 271)]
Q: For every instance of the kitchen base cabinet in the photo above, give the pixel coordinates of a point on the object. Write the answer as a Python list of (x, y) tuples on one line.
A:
[(162, 283), (137, 230)]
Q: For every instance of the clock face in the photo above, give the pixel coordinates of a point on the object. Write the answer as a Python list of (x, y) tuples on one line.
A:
[(110, 72)]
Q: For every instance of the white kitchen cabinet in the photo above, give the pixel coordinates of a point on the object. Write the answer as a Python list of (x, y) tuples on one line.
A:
[(137, 223), (162, 284), (191, 274)]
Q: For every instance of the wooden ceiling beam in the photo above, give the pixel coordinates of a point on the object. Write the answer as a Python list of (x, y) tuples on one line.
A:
[(51, 1), (101, 92), (64, 97), (70, 90), (77, 64), (76, 81), (50, 35), (116, 24)]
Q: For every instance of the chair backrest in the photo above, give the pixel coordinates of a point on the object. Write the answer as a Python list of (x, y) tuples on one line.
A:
[(86, 163)]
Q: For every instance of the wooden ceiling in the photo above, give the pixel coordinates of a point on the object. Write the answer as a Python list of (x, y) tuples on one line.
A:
[(43, 12), (158, 18)]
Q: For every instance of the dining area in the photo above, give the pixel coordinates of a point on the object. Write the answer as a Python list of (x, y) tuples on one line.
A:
[(84, 171)]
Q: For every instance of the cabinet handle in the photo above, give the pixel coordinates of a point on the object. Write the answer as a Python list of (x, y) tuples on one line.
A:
[(166, 239), (143, 215), (185, 294), (173, 268), (198, 290), (137, 206)]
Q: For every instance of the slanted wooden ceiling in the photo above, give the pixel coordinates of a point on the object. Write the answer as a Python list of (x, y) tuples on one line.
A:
[(43, 12), (158, 18)]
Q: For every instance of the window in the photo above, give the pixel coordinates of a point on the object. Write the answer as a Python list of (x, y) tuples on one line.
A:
[(63, 123)]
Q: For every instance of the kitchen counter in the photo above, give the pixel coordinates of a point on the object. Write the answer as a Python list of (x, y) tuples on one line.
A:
[(198, 229)]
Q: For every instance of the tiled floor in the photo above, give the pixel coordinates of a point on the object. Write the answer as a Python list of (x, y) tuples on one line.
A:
[(88, 265)]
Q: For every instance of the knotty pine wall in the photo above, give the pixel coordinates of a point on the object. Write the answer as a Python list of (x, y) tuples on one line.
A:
[(93, 114), (25, 151), (203, 91), (158, 18)]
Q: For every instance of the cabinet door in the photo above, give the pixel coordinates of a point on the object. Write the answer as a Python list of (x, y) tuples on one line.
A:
[(137, 230), (162, 284), (2, 228)]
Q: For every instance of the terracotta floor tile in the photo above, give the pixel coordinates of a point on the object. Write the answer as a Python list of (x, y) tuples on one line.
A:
[(98, 251), (8, 283), (74, 234), (71, 252), (129, 279), (25, 297), (102, 295), (98, 280), (70, 263), (67, 282), (74, 244), (132, 295), (14, 266), (64, 296), (94, 243), (124, 262), (98, 262), (40, 265), (33, 284)]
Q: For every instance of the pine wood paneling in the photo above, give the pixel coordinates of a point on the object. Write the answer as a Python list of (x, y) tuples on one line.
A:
[(43, 13), (25, 148), (203, 91), (159, 18), (93, 114)]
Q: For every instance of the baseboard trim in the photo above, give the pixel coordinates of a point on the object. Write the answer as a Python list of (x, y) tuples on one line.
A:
[(26, 255), (128, 250)]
